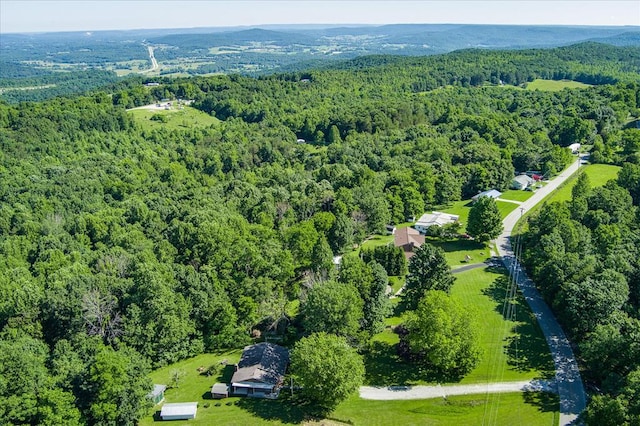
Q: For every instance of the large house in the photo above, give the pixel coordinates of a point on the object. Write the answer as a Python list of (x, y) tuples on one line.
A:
[(260, 371), (428, 220), (409, 239)]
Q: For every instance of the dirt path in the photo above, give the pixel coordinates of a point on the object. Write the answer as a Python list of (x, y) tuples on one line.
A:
[(569, 383), (426, 392)]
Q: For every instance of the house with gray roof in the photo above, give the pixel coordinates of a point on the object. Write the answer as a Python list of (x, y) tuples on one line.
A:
[(522, 182), (260, 371), (493, 193)]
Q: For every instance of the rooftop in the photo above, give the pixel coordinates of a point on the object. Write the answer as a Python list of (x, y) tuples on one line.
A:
[(436, 218), (263, 362), (179, 409), (493, 193)]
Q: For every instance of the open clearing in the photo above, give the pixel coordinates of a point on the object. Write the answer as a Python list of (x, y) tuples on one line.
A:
[(555, 85), (512, 350), (530, 408), (172, 118), (599, 174)]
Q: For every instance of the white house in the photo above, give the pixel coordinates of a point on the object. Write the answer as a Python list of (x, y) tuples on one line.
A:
[(434, 219), (179, 411), (493, 193), (575, 148), (521, 182)]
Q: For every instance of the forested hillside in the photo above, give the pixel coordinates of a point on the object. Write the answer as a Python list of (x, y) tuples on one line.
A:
[(124, 248)]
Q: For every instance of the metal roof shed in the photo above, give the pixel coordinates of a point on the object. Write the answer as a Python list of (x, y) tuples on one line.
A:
[(157, 394), (179, 411)]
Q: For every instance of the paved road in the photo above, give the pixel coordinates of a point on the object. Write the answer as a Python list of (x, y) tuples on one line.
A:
[(426, 392), (154, 63), (570, 388), (468, 267)]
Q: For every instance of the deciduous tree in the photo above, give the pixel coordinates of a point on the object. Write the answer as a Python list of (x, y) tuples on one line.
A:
[(485, 222), (428, 270), (327, 369)]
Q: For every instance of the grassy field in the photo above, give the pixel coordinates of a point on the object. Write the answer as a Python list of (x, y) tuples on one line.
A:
[(599, 174), (512, 350), (501, 409), (175, 118), (455, 251), (516, 195), (512, 409), (555, 85), (462, 208)]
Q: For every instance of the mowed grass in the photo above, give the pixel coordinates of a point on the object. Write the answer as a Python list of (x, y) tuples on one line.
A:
[(512, 349), (514, 409), (462, 209), (555, 85), (516, 195), (175, 118), (599, 175), (456, 251), (195, 387)]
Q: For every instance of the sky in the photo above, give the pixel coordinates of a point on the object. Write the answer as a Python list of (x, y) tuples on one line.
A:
[(81, 15)]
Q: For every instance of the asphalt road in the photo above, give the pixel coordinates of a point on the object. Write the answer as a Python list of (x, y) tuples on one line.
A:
[(569, 382)]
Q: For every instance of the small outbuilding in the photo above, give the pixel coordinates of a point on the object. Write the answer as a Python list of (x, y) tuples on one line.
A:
[(493, 193), (157, 394), (179, 411), (575, 148), (219, 391)]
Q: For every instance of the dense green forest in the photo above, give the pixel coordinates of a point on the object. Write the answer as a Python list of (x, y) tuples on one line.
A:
[(124, 248)]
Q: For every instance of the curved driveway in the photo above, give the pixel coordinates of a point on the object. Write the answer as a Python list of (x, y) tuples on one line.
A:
[(570, 388)]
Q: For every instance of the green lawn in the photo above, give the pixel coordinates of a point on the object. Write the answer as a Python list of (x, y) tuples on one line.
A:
[(504, 359), (505, 207), (506, 409), (512, 350), (462, 208), (455, 251), (175, 118), (516, 195), (555, 85), (599, 174)]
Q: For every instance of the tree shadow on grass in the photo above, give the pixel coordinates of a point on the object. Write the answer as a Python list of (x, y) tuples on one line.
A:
[(286, 409), (545, 401), (384, 367), (527, 349)]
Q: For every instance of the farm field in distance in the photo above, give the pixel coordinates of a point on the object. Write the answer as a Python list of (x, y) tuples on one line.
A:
[(173, 118), (555, 85)]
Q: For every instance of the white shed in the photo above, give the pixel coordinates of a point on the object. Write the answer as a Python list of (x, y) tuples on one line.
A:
[(179, 411)]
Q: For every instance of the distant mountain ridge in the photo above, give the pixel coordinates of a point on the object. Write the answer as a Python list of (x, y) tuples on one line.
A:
[(428, 37), (258, 50)]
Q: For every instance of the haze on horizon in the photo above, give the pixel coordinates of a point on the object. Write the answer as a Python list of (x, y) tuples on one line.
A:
[(52, 16)]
